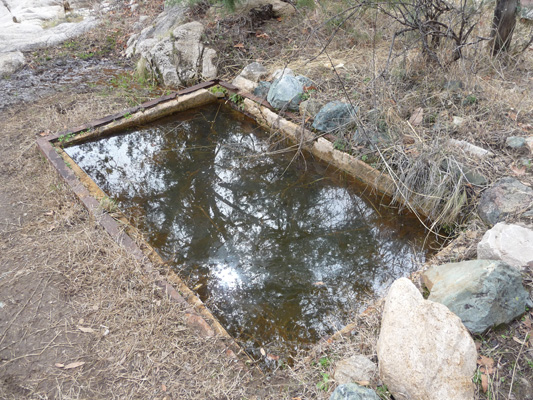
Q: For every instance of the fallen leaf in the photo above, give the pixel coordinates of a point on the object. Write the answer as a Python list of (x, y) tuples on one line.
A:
[(526, 127), (521, 342), (261, 35), (74, 365), (484, 383), (239, 46), (163, 387), (518, 171), (263, 352), (486, 363), (85, 329), (59, 365), (417, 116), (363, 383), (279, 19), (408, 140), (513, 116), (272, 357)]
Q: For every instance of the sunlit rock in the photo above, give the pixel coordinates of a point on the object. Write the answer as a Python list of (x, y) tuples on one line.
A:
[(424, 351)]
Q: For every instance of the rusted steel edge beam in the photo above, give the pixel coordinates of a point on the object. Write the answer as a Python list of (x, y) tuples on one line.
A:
[(196, 314), (144, 106)]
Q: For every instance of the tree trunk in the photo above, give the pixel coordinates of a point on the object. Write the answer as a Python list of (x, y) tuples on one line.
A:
[(503, 25)]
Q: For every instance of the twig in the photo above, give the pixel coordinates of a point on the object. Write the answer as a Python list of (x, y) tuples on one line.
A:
[(514, 368)]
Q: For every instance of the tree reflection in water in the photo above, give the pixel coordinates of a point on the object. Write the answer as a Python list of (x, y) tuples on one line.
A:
[(284, 251)]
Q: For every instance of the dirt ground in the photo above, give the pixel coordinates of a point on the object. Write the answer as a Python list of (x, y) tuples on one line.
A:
[(79, 318)]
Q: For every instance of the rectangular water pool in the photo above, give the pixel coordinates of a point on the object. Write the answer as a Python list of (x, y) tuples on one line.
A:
[(282, 249)]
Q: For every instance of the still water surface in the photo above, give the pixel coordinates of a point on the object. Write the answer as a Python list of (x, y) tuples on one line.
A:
[(282, 249)]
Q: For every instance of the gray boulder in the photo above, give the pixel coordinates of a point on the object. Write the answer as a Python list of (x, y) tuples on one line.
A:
[(506, 197), (254, 72), (11, 62), (262, 89), (333, 116), (512, 244), (424, 350), (355, 369), (285, 92), (483, 293), (352, 391)]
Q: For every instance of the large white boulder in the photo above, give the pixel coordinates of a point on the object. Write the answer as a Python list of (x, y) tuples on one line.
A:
[(510, 243), (11, 62), (424, 350), (173, 52)]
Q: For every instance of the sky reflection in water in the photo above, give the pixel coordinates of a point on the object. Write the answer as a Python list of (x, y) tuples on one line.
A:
[(284, 251)]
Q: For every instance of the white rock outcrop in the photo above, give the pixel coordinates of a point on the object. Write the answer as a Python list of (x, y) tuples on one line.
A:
[(424, 350), (23, 25), (510, 243)]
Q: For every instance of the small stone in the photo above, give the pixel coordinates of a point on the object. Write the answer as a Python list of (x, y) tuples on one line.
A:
[(244, 84), (483, 293), (515, 142), (254, 72), (262, 89), (333, 116), (512, 244), (475, 178), (470, 148), (506, 197), (453, 85), (424, 350), (310, 107), (458, 121), (355, 369), (352, 391)]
